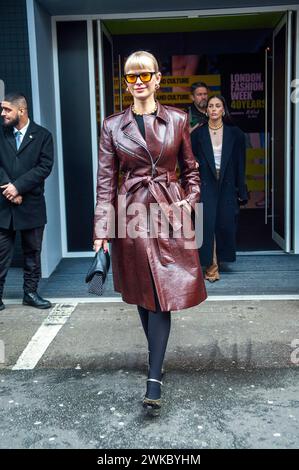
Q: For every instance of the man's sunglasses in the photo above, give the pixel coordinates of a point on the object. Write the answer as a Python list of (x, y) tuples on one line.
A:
[(144, 77)]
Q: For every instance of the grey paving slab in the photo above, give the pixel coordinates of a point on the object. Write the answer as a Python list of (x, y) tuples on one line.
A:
[(18, 324), (217, 335), (213, 335), (231, 380)]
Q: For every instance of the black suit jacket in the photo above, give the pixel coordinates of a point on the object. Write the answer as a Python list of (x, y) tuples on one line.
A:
[(26, 168)]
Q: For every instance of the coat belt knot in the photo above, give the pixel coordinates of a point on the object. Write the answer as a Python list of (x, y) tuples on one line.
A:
[(133, 182), (146, 180)]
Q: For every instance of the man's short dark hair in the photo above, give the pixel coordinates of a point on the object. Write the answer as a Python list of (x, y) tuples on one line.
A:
[(198, 85), (16, 98)]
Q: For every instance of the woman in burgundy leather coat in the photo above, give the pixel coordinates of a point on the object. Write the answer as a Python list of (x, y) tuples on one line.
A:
[(159, 273)]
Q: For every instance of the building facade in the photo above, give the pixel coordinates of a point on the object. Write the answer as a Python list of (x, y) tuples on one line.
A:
[(67, 57)]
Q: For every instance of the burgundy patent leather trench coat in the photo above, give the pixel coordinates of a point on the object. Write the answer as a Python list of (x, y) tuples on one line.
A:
[(148, 177)]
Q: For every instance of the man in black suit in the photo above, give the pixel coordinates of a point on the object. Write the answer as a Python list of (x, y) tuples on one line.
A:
[(26, 159)]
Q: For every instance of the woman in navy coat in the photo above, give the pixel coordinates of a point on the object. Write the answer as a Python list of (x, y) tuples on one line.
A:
[(220, 151)]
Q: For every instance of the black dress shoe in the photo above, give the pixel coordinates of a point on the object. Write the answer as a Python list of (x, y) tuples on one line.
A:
[(35, 300), (2, 306)]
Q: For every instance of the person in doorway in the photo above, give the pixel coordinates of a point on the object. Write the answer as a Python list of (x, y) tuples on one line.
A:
[(26, 159), (220, 151), (198, 109), (145, 143)]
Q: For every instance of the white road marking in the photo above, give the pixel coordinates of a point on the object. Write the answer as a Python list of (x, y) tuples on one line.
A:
[(213, 298), (112, 300), (41, 340)]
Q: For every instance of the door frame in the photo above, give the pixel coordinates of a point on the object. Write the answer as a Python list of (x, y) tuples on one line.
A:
[(296, 143), (285, 241), (156, 15), (102, 31), (93, 131), (180, 14)]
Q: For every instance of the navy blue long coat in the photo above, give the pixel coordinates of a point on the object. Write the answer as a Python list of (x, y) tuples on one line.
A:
[(220, 197)]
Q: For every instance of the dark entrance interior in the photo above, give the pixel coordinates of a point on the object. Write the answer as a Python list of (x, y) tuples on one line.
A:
[(224, 45)]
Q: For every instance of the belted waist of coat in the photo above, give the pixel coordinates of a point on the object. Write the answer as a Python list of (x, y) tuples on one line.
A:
[(133, 181)]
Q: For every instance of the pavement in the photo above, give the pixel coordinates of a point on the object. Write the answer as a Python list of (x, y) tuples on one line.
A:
[(74, 377)]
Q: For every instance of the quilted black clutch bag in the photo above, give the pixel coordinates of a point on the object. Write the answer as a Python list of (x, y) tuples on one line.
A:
[(97, 272)]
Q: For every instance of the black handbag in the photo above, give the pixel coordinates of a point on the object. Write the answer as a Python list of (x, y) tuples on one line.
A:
[(97, 272)]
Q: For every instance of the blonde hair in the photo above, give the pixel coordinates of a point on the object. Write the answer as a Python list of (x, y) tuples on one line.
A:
[(140, 60)]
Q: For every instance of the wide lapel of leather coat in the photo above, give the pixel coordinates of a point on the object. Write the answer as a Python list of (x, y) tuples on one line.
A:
[(156, 132), (130, 132)]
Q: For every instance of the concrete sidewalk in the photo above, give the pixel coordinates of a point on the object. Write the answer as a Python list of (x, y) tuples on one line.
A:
[(215, 335), (231, 380)]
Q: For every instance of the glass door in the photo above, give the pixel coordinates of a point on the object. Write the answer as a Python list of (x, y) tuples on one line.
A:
[(281, 134), (106, 71)]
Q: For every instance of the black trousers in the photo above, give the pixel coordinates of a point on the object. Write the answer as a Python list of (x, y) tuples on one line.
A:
[(31, 244)]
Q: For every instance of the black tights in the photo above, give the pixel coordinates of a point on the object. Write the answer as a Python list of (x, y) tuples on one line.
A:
[(156, 327)]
